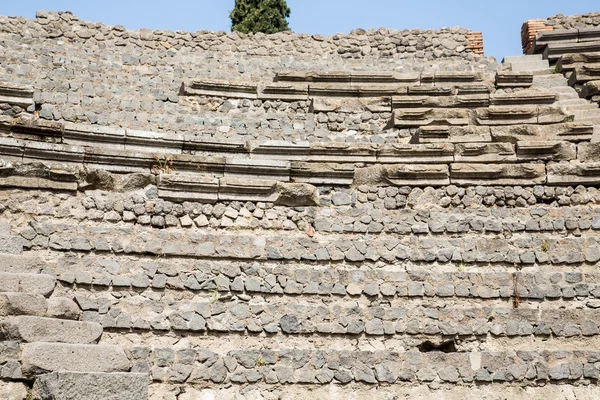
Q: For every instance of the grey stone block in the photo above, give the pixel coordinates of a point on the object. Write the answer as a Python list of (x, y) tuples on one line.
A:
[(27, 283), (91, 386), (22, 304), (38, 329), (42, 358)]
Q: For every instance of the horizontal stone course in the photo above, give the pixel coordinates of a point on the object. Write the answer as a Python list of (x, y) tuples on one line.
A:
[(42, 358), (524, 248), (31, 329), (92, 386), (343, 318), (324, 367)]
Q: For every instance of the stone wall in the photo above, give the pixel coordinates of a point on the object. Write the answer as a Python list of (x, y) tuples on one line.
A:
[(560, 21), (210, 216)]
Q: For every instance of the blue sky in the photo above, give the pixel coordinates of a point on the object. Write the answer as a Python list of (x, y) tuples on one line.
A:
[(500, 21)]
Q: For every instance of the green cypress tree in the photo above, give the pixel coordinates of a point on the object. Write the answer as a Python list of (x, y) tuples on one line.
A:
[(267, 16)]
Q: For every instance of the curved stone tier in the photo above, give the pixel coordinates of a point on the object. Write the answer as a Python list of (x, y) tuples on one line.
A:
[(383, 214)]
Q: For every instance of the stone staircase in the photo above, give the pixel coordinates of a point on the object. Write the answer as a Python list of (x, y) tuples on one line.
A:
[(527, 63), (43, 342)]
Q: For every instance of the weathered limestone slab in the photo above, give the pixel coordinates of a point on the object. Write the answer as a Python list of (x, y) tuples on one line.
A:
[(188, 187), (214, 165), (24, 182), (11, 149), (588, 152), (585, 73), (342, 152), (415, 153), (415, 117), (283, 91), (514, 79), (137, 140), (42, 358), (507, 115), (35, 128), (567, 36), (498, 174), (402, 175), (216, 88), (485, 152), (121, 161), (22, 304), (453, 134), (547, 151), (52, 152), (27, 283), (279, 149), (590, 89), (38, 329), (451, 78), (348, 77), (322, 173), (571, 131), (352, 105), (553, 51), (455, 101), (244, 189), (13, 391), (91, 386), (430, 91), (89, 135), (354, 90), (568, 62), (195, 143), (237, 167), (573, 174), (21, 96), (523, 97)]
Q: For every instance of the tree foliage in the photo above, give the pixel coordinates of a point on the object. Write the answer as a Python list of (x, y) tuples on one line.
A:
[(267, 16)]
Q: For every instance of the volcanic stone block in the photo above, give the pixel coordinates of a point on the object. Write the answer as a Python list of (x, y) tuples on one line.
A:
[(22, 304), (91, 386), (27, 283), (485, 152), (572, 174), (42, 358), (37, 329), (498, 174), (548, 151)]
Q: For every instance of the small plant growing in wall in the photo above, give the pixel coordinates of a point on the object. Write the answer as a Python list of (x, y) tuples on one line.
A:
[(545, 246), (261, 362), (163, 164)]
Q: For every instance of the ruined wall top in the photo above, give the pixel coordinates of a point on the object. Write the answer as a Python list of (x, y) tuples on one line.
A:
[(360, 43)]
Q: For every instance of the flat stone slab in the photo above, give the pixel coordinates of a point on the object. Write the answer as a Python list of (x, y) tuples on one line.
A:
[(38, 329), (42, 358), (12, 391), (22, 304), (91, 386), (27, 283)]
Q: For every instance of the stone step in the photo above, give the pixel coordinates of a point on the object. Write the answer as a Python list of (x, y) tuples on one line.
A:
[(565, 91), (549, 81), (593, 113), (581, 107), (27, 283), (521, 59), (39, 329), (91, 386), (530, 66), (574, 102), (22, 304), (43, 358)]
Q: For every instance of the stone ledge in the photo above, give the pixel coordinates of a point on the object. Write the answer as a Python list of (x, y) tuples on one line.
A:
[(91, 386), (42, 358)]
